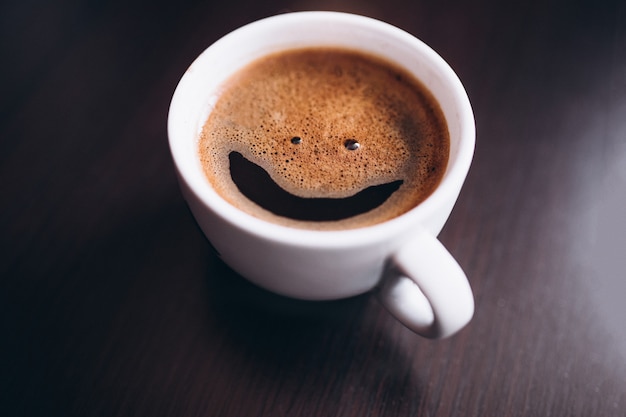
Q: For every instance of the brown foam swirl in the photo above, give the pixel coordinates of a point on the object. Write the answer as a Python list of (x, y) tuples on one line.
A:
[(329, 99)]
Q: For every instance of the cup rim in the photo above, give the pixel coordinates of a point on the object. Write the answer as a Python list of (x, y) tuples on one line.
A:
[(450, 184)]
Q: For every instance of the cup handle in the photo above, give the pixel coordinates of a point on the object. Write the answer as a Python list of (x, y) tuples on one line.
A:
[(426, 289)]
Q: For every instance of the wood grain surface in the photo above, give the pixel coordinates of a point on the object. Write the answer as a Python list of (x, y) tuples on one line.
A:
[(113, 304)]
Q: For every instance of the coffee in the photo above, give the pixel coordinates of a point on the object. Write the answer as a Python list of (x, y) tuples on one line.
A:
[(324, 138)]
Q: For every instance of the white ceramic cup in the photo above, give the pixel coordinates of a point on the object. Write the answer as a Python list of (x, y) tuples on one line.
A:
[(416, 278)]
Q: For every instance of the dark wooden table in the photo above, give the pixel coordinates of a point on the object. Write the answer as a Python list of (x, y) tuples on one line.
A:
[(112, 303)]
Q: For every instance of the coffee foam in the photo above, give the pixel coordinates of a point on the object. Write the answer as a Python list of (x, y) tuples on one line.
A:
[(326, 97)]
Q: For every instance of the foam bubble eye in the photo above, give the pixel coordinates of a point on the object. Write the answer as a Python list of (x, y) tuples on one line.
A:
[(296, 140), (351, 144)]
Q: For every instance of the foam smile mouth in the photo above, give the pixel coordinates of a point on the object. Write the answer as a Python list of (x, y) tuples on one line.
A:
[(257, 185)]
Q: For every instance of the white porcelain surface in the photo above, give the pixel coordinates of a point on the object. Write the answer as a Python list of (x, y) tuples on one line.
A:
[(319, 265)]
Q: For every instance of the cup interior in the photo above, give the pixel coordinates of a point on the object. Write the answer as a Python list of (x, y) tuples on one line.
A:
[(200, 86)]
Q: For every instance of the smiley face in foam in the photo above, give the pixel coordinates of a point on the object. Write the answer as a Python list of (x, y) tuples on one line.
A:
[(325, 124)]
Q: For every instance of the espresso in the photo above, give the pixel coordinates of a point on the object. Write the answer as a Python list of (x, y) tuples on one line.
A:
[(324, 138)]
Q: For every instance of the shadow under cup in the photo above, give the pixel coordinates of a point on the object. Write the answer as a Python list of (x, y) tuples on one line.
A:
[(307, 264)]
